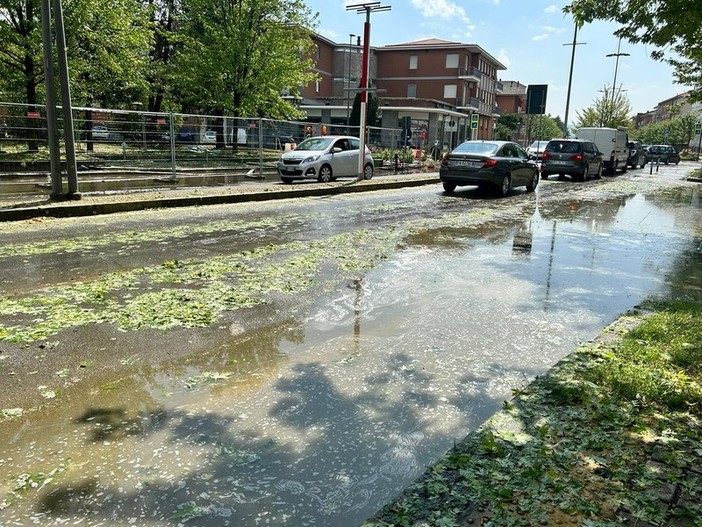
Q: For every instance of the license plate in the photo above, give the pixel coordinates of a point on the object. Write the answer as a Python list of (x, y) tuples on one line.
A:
[(469, 164), (560, 163)]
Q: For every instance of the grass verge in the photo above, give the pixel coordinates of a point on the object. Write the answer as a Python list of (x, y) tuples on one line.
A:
[(610, 436)]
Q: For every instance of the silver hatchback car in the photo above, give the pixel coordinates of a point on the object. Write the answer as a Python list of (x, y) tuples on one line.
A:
[(325, 158)]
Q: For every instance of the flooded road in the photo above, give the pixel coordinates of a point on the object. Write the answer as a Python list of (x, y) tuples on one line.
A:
[(299, 363)]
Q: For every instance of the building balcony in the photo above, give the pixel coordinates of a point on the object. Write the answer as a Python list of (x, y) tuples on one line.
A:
[(499, 87), (471, 103), (469, 74), (496, 111)]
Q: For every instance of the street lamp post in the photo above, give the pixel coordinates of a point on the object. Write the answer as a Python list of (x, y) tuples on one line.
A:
[(616, 67), (570, 75), (366, 8), (348, 82)]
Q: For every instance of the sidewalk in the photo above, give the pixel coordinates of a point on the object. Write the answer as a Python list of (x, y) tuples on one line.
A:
[(90, 204)]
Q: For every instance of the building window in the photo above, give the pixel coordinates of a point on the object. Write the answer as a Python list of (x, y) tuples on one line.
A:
[(411, 90), (450, 91), (319, 52), (413, 62), (452, 60)]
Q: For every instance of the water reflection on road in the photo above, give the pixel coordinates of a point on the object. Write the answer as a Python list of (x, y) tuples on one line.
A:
[(343, 404)]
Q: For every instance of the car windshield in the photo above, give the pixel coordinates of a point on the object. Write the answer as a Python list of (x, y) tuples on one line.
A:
[(566, 147), (480, 148), (314, 143), (538, 145)]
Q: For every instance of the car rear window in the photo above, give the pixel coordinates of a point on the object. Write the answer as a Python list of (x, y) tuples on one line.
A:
[(480, 148), (566, 147)]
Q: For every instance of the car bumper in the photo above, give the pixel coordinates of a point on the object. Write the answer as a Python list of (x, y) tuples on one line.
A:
[(548, 169), (468, 178), (300, 171)]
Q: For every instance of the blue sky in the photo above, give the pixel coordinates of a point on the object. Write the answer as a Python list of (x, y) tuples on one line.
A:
[(527, 36)]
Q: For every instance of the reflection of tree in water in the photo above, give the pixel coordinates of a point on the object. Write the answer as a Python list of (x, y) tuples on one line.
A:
[(597, 214)]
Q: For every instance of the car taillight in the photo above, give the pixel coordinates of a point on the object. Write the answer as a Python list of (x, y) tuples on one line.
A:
[(546, 155), (577, 157), (489, 163)]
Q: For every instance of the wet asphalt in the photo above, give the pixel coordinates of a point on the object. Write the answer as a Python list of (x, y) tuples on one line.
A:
[(316, 406)]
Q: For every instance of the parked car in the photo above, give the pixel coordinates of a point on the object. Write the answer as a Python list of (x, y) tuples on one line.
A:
[(210, 137), (325, 158), (577, 158), (100, 132), (536, 149), (637, 155), (612, 142), (663, 153), (500, 165), (185, 135)]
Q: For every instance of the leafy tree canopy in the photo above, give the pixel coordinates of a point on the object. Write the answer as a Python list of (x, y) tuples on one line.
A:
[(679, 131), (610, 110), (240, 56), (674, 25)]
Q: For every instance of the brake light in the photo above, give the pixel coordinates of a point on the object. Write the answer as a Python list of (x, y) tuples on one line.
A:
[(489, 163), (545, 155), (577, 157)]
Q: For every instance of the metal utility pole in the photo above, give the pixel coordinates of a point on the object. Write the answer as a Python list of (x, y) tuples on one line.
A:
[(366, 8), (570, 75), (51, 119), (51, 106)]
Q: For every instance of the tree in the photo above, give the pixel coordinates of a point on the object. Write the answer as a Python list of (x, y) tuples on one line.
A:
[(372, 110), (542, 128), (672, 25), (106, 52), (508, 126), (678, 131), (609, 110), (240, 56)]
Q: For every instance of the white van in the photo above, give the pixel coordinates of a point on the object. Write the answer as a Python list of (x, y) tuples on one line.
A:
[(612, 142)]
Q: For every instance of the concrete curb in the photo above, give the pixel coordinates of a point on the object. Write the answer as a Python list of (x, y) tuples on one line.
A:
[(113, 204)]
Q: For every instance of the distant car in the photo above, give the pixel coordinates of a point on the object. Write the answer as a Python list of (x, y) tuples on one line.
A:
[(663, 153), (499, 165), (185, 135), (637, 154), (324, 158), (210, 137), (577, 158), (536, 150), (100, 132)]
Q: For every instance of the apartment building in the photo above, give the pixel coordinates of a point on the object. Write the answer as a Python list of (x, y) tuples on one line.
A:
[(438, 84)]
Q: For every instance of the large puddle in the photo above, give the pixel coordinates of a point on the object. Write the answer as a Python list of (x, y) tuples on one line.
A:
[(322, 418)]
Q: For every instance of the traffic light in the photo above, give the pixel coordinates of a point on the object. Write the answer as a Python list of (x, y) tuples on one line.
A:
[(406, 125)]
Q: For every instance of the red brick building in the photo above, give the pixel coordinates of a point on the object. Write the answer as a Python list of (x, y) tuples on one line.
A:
[(438, 84)]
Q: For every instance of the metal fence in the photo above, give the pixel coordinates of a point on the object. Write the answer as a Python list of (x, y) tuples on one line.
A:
[(164, 143)]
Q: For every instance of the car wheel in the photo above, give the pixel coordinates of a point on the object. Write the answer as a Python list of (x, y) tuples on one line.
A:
[(599, 172), (287, 180), (325, 174), (503, 189), (531, 186), (544, 176), (368, 171), (612, 170), (449, 187), (583, 176), (624, 168)]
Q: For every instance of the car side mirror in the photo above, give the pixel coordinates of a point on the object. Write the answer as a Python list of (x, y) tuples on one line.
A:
[(336, 150)]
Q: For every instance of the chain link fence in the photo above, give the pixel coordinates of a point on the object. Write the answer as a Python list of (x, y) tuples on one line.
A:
[(132, 142)]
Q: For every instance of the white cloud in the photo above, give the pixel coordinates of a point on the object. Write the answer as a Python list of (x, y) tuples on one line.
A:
[(551, 9), (539, 38), (503, 58), (440, 8)]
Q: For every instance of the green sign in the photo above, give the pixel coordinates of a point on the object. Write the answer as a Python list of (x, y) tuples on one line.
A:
[(474, 125), (698, 128), (474, 118)]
